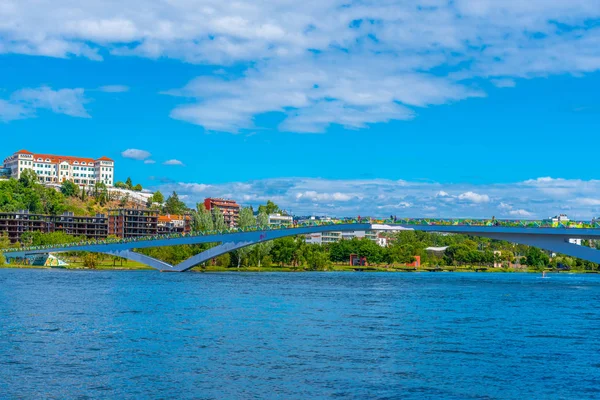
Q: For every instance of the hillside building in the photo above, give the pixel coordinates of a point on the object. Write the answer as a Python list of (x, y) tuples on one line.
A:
[(83, 171), (172, 223), (17, 223), (229, 208), (132, 222)]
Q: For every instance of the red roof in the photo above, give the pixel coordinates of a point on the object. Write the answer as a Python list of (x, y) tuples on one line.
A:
[(104, 158), (58, 159), (23, 152), (174, 217)]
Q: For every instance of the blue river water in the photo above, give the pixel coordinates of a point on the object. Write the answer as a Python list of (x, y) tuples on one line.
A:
[(137, 335)]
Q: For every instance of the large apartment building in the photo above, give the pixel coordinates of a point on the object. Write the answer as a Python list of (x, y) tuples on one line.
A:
[(17, 223), (132, 222), (229, 208), (82, 171)]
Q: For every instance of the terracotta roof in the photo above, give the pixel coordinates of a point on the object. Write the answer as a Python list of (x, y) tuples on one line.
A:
[(58, 159), (174, 217), (104, 158), (23, 152)]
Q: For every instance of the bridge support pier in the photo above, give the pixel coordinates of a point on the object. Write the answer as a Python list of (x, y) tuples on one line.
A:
[(211, 253), (144, 259)]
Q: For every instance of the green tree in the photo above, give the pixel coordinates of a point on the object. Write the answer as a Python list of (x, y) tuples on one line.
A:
[(262, 220), (316, 258), (269, 208), (536, 258), (101, 193), (203, 220), (158, 197), (4, 241), (246, 219), (223, 260), (120, 185), (69, 189), (138, 188), (2, 260), (283, 250), (129, 183), (28, 178), (218, 219), (90, 260), (175, 206)]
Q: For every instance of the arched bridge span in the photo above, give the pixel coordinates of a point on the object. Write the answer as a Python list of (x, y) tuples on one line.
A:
[(552, 239)]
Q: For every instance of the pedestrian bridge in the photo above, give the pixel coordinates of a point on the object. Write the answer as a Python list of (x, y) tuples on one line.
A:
[(543, 234)]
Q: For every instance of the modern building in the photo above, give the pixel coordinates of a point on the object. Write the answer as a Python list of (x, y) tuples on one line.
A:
[(563, 219), (82, 171), (172, 223), (95, 227), (229, 208), (335, 236), (132, 222), (280, 220), (17, 223)]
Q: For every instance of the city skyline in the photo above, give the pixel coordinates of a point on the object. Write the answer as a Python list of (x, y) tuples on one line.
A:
[(343, 110)]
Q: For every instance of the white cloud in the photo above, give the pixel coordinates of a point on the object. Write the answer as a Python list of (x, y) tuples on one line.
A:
[(474, 197), (587, 201), (352, 63), (25, 102), (136, 154), (149, 162), (173, 162), (519, 213), (383, 197), (504, 83), (314, 196), (114, 88), (12, 111)]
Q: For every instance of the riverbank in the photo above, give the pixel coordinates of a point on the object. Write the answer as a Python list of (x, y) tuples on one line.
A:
[(134, 266)]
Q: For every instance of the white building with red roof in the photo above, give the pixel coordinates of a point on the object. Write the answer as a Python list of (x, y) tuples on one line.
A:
[(83, 171)]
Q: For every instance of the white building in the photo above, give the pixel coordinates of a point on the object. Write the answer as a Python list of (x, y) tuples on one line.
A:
[(280, 220), (560, 219), (57, 169), (332, 237)]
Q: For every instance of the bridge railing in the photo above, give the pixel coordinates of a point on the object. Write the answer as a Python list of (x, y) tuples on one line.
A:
[(399, 221), (179, 235)]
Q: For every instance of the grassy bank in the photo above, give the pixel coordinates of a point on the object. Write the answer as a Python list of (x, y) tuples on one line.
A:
[(132, 266)]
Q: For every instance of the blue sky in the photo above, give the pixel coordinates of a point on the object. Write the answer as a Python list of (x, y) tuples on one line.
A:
[(424, 108)]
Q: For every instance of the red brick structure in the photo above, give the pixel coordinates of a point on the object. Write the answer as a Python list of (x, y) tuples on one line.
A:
[(229, 208)]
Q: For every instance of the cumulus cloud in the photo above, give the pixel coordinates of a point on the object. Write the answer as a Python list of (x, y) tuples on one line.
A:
[(383, 197), (318, 63), (136, 154), (474, 197), (173, 162), (519, 213), (26, 102)]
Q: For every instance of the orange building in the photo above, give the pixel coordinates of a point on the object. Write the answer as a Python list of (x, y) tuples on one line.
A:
[(172, 223)]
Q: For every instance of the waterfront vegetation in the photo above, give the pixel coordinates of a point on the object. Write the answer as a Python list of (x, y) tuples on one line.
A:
[(463, 252)]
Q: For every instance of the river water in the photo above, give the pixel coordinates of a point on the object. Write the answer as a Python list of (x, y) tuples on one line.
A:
[(134, 335)]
